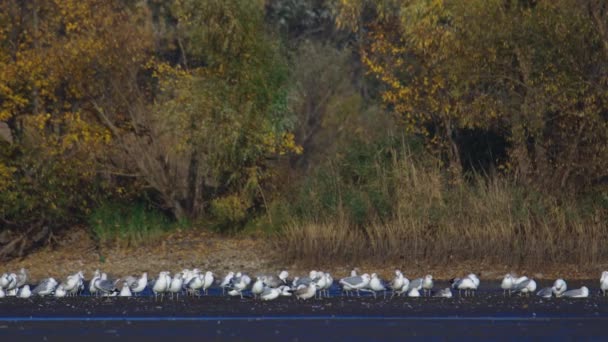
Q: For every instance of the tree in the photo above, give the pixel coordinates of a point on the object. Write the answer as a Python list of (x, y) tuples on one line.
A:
[(513, 67)]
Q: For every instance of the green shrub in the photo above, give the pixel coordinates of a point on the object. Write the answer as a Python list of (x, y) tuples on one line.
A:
[(129, 224)]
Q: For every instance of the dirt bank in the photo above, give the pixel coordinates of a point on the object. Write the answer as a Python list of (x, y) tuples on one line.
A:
[(208, 251)]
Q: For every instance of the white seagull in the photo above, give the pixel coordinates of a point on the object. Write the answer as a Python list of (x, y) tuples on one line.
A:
[(306, 292), (604, 283), (45, 288), (24, 292), (270, 294), (507, 284), (376, 285), (559, 287), (355, 283), (126, 290), (140, 284), (583, 292)]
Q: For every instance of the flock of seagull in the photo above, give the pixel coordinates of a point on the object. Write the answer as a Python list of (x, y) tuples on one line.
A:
[(269, 287)]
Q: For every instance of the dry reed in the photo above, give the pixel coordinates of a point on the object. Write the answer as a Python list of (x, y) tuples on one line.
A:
[(492, 220)]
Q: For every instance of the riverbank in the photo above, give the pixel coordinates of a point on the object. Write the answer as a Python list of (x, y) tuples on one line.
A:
[(221, 254)]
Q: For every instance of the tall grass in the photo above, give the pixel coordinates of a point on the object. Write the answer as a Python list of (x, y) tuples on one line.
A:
[(128, 225), (404, 207)]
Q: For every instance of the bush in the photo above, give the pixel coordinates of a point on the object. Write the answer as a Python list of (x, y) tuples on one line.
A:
[(129, 224), (384, 203)]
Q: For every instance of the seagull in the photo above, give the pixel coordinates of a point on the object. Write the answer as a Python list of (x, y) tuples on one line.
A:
[(103, 285), (45, 287), (475, 279), (519, 280), (270, 294), (321, 283), (559, 287), (258, 287), (24, 292), (355, 283), (188, 275), (72, 283), (226, 282), (276, 281), (60, 292), (139, 285), (297, 281), (92, 288), (583, 292), (239, 284), (425, 284), (445, 293), (306, 292), (11, 288), (404, 288), (208, 281), (604, 283), (21, 277), (468, 283), (195, 284), (414, 292), (5, 279), (376, 285), (416, 284), (546, 292), (526, 286), (397, 283), (175, 286), (507, 284), (329, 281), (126, 290), (161, 285)]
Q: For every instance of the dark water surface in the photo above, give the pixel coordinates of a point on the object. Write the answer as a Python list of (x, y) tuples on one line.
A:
[(488, 316)]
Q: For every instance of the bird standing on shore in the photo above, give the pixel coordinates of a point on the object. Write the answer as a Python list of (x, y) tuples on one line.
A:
[(466, 284), (355, 283), (21, 277), (208, 280), (397, 283), (24, 292), (45, 287), (525, 287), (604, 283), (306, 292), (175, 286), (227, 281), (559, 287), (60, 292), (276, 280), (139, 285), (258, 287), (161, 285), (126, 290), (376, 285)]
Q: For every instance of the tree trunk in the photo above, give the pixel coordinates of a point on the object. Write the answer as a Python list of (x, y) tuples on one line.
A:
[(453, 152)]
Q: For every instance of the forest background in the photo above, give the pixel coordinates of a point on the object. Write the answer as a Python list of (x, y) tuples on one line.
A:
[(340, 129)]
